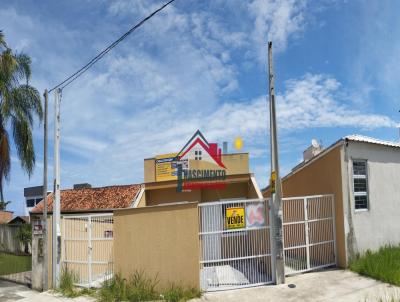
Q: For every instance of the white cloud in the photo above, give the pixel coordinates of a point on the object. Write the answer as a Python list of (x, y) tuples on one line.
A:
[(318, 101), (277, 21), (170, 78)]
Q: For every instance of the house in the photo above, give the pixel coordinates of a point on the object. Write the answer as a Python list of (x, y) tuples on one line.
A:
[(19, 220), (85, 199), (207, 175), (363, 173), (33, 195), (5, 216)]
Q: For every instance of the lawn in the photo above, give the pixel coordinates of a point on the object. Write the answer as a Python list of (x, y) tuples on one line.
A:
[(10, 264), (382, 265)]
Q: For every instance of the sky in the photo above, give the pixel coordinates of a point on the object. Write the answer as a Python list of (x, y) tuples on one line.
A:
[(203, 65)]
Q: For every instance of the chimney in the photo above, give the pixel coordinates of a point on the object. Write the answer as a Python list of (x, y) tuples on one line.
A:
[(312, 151), (225, 148), (82, 186)]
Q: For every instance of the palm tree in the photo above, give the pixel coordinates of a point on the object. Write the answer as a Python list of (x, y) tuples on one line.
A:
[(19, 105)]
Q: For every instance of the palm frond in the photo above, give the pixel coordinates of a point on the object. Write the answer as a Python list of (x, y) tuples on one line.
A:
[(5, 161), (22, 135), (24, 103), (24, 66), (2, 40)]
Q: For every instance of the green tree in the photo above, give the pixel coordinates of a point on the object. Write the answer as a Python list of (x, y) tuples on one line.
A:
[(24, 235), (19, 105), (3, 205)]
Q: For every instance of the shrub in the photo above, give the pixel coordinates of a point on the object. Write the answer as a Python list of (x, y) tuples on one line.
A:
[(24, 235)]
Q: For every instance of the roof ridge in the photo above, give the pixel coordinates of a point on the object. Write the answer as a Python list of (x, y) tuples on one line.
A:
[(372, 140)]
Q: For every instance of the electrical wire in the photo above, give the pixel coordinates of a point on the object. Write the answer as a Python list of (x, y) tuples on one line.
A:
[(82, 70)]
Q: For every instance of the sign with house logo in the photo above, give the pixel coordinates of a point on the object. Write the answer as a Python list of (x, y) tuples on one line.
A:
[(255, 215), (235, 218), (198, 165)]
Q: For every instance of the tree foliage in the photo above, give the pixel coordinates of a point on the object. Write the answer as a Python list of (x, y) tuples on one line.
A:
[(19, 105)]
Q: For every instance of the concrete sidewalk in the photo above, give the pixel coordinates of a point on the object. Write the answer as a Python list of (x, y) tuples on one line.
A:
[(10, 291), (329, 285)]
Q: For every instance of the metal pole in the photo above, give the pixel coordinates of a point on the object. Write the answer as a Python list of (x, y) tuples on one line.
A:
[(276, 189), (45, 251), (56, 196)]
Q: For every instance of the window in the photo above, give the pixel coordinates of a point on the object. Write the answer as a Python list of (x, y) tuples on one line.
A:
[(360, 184), (197, 155), (30, 203)]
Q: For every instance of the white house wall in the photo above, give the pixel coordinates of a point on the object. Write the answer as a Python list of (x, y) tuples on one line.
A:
[(380, 224)]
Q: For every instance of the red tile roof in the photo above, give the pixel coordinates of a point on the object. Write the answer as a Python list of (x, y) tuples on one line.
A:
[(87, 199)]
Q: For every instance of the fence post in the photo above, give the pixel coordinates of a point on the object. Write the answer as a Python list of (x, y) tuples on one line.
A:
[(90, 251), (332, 198), (272, 240), (307, 232)]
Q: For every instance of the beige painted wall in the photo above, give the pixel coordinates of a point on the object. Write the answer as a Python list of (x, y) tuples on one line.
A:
[(321, 176), (238, 186), (162, 241), (236, 163)]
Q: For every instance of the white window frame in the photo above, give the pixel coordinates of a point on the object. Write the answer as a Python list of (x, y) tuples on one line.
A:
[(366, 193)]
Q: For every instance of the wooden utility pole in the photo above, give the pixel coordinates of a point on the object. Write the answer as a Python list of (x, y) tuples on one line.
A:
[(45, 284), (56, 193), (275, 181)]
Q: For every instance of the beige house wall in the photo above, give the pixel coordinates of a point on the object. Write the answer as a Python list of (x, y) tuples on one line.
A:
[(236, 163), (164, 243), (237, 186), (321, 176)]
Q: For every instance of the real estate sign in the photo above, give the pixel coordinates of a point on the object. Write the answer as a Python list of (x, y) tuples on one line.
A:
[(235, 218), (166, 167)]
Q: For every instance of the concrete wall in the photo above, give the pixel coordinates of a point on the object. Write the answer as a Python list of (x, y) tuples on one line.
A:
[(379, 225), (162, 241), (321, 176), (37, 259)]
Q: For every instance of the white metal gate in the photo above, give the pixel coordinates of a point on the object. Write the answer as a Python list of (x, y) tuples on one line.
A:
[(309, 233), (87, 248), (235, 257)]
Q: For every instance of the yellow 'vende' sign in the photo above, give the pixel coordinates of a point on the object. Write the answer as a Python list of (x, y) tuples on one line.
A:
[(272, 181), (235, 218), (166, 167)]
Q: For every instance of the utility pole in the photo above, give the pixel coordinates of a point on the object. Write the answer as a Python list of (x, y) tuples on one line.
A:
[(275, 184), (45, 284), (56, 193)]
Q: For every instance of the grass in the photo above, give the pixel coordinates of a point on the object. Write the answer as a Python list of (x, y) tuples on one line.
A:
[(141, 288), (383, 265), (10, 264)]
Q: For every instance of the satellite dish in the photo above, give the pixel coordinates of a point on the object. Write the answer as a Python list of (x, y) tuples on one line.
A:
[(314, 143)]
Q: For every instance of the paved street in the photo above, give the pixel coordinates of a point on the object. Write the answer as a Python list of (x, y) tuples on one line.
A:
[(330, 285)]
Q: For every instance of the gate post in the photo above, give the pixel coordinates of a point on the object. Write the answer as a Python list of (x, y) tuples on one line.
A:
[(90, 250)]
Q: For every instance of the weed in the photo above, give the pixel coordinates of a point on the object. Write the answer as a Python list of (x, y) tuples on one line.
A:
[(68, 278), (176, 293), (382, 265)]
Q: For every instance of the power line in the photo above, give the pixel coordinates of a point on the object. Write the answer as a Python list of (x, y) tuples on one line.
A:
[(93, 61)]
